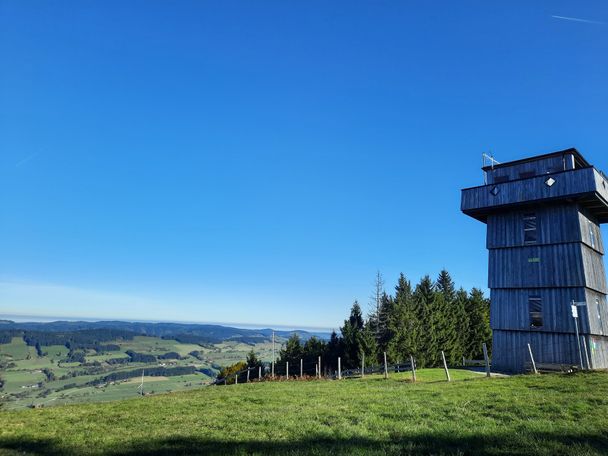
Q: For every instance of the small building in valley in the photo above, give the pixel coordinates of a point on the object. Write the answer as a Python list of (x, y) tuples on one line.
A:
[(543, 217)]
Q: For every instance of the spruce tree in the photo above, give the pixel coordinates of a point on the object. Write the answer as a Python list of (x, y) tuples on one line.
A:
[(375, 304), (292, 352), (445, 319), (461, 319), (334, 349), (368, 344), (253, 363), (384, 333), (478, 310), (445, 331), (424, 300), (403, 324), (445, 285), (351, 336)]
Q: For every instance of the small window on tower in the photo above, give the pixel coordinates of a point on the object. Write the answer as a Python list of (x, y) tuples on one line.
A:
[(501, 179), (599, 315), (527, 174), (592, 235), (535, 307), (530, 233)]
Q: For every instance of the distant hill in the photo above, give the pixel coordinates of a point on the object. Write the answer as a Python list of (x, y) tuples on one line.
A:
[(184, 332)]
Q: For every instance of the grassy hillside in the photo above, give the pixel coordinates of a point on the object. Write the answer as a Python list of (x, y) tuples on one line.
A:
[(546, 415), (24, 382)]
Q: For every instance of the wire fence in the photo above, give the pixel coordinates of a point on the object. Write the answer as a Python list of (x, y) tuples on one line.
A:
[(307, 369)]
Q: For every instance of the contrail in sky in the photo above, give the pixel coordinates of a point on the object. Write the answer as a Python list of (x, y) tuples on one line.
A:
[(576, 19), (25, 160)]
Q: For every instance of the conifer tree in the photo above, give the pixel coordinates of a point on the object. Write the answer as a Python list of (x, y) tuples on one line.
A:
[(384, 332), (351, 336), (368, 345), (478, 310), (253, 363), (292, 352), (424, 299), (403, 324), (461, 319), (445, 285), (334, 349), (445, 331), (375, 304), (445, 319)]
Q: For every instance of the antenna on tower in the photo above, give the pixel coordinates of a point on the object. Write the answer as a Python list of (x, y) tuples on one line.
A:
[(488, 160), (141, 386)]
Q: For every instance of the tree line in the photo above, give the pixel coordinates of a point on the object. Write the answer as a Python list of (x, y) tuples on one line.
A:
[(420, 320)]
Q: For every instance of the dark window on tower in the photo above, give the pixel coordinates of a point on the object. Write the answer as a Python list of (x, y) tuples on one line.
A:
[(500, 179), (530, 234), (527, 174), (535, 308)]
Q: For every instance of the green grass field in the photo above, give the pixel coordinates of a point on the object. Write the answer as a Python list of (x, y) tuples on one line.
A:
[(521, 415)]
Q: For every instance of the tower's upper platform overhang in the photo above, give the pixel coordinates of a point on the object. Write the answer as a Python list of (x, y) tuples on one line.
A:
[(580, 184)]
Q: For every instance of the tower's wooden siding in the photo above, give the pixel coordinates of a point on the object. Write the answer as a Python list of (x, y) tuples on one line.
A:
[(509, 310), (540, 167), (588, 225), (556, 223), (510, 351), (598, 349), (567, 184)]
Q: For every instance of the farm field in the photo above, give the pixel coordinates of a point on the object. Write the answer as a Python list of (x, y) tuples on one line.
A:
[(33, 378), (538, 415)]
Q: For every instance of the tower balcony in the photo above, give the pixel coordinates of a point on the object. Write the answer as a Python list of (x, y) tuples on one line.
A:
[(586, 186)]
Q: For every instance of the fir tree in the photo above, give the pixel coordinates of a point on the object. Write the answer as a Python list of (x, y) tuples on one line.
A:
[(445, 331), (292, 353), (375, 304), (313, 348), (424, 299), (445, 285), (384, 332), (334, 349), (445, 319), (368, 345), (254, 363), (403, 324), (461, 319), (478, 310), (351, 336)]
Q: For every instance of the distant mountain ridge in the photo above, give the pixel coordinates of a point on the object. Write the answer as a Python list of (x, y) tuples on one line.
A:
[(185, 332)]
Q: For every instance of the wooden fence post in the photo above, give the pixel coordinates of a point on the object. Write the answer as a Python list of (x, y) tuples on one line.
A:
[(248, 370), (445, 366), (463, 363), (301, 367), (385, 367), (413, 369), (339, 369), (586, 354), (236, 378), (532, 359), (363, 366), (287, 369), (486, 359), (319, 367)]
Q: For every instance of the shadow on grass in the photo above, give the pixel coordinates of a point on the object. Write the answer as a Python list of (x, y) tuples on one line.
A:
[(424, 444)]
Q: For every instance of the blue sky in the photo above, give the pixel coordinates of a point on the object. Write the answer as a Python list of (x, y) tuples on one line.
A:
[(257, 162)]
